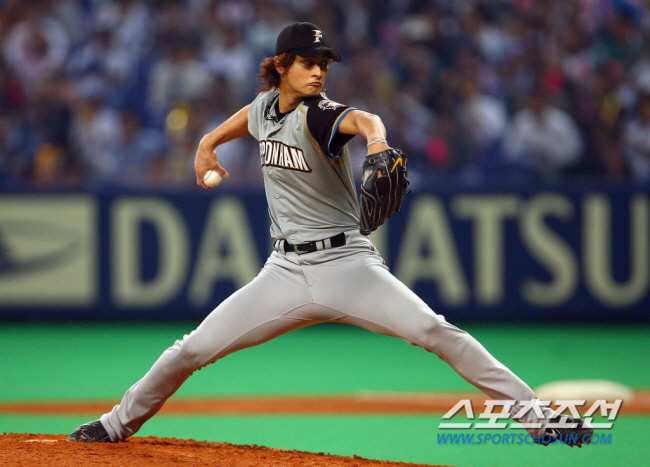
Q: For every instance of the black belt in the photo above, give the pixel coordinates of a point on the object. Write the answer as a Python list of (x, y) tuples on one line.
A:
[(332, 242)]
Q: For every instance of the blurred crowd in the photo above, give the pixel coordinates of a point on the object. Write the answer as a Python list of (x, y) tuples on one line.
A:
[(119, 92)]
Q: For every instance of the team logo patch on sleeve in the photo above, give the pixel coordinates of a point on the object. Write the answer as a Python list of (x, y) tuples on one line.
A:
[(327, 104)]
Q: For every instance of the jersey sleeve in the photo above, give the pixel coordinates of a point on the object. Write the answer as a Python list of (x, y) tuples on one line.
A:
[(256, 113), (323, 119)]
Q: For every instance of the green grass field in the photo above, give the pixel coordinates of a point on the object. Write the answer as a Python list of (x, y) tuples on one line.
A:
[(100, 361)]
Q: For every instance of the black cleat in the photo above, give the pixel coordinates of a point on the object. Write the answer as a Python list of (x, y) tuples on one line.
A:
[(92, 432), (565, 429)]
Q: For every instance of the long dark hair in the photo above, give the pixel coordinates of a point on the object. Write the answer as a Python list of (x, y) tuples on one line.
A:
[(269, 77)]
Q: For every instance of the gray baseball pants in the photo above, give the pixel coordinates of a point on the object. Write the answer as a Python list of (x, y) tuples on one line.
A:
[(349, 284)]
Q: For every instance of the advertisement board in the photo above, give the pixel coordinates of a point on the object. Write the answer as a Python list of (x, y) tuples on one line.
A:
[(488, 254)]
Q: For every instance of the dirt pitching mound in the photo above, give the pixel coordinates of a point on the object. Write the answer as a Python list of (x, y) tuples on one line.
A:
[(19, 449)]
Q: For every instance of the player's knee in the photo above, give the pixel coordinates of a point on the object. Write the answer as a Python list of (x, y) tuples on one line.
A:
[(194, 353), (434, 331), (426, 332), (186, 355)]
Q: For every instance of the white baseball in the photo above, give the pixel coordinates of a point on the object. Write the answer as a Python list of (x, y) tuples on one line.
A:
[(212, 178)]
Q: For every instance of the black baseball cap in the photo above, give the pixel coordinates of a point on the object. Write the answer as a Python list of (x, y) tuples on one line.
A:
[(305, 39)]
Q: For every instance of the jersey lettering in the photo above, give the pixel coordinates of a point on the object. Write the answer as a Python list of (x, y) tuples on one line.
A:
[(277, 154)]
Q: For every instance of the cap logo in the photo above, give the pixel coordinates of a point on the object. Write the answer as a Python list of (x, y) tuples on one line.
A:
[(317, 35)]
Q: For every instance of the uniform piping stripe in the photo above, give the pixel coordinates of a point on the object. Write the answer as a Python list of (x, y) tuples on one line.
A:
[(335, 127)]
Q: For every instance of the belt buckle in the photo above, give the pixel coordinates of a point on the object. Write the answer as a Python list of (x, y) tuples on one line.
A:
[(297, 251)]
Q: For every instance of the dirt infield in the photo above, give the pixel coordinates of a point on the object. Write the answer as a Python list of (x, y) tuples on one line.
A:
[(54, 451)]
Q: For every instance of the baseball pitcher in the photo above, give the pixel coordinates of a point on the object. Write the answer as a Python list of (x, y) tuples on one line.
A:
[(323, 267)]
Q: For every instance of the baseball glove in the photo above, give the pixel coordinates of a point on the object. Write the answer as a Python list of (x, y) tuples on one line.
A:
[(383, 186)]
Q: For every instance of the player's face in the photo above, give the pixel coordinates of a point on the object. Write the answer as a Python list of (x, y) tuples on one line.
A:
[(306, 75)]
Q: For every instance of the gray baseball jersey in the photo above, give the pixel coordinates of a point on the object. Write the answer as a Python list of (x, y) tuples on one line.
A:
[(342, 278), (303, 160)]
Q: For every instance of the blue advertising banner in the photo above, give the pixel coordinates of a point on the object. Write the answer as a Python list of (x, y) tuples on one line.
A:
[(579, 253)]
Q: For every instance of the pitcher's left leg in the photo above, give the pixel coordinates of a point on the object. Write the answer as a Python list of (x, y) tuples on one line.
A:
[(376, 300)]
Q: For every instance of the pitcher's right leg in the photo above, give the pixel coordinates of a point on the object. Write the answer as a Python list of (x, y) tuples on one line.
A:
[(254, 314)]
